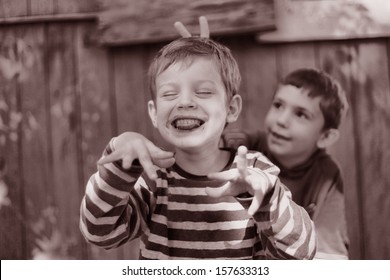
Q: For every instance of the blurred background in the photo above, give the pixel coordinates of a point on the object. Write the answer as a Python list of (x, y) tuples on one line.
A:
[(72, 75)]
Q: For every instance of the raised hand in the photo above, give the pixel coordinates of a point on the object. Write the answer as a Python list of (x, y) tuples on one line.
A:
[(241, 180), (130, 146)]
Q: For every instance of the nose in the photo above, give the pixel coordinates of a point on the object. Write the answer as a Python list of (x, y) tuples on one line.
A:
[(283, 118), (186, 100)]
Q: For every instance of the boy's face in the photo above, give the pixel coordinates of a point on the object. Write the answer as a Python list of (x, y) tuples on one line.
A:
[(191, 108), (294, 124)]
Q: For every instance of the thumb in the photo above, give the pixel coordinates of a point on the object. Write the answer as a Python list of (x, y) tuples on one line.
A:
[(165, 162)]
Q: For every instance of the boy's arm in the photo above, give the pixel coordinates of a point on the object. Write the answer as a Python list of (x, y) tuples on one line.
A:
[(112, 211), (118, 201), (285, 229), (331, 224)]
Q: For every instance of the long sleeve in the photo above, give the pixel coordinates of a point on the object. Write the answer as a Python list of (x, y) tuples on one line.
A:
[(286, 230), (116, 205), (330, 221)]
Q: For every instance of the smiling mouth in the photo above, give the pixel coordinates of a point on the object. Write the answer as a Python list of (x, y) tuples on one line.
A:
[(279, 137), (187, 123)]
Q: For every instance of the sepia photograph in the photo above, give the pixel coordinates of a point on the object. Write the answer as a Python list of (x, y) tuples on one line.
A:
[(195, 130)]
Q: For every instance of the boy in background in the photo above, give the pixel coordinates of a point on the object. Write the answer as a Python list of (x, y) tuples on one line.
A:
[(301, 123), (199, 201)]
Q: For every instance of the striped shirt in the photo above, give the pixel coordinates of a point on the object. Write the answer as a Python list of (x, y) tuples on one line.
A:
[(176, 219)]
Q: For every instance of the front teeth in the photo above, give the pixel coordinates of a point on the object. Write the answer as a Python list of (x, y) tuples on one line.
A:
[(187, 124)]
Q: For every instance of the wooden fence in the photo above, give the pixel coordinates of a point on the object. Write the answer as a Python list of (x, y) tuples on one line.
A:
[(66, 97)]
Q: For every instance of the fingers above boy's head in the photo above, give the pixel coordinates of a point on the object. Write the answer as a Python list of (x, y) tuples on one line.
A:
[(181, 29), (203, 25)]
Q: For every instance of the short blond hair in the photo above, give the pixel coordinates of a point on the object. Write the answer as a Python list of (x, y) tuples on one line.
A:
[(187, 49)]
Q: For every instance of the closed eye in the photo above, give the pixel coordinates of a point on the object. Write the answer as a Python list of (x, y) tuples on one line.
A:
[(204, 93)]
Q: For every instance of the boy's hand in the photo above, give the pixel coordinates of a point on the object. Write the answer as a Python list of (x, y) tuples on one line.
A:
[(241, 180), (130, 146), (203, 24)]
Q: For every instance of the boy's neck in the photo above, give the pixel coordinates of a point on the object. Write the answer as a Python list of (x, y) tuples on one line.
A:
[(292, 162), (201, 163)]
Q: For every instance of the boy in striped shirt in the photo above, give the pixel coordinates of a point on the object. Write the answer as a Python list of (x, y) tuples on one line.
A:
[(200, 201)]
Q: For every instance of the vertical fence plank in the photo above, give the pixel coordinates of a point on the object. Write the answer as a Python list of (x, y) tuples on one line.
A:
[(36, 146), (131, 97), (130, 91), (293, 56), (12, 8), (76, 6), (372, 102), (93, 71), (333, 60), (259, 82), (12, 211), (42, 7), (65, 120), (257, 66)]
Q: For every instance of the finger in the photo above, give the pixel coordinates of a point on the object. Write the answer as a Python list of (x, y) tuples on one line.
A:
[(255, 205), (242, 162), (257, 190), (127, 162), (204, 27), (228, 175), (146, 162), (181, 29), (158, 153), (164, 163), (114, 156), (225, 190)]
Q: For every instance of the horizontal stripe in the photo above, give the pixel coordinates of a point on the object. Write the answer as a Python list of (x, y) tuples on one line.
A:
[(97, 221), (95, 238), (203, 235), (228, 225), (192, 253), (202, 245), (222, 206), (101, 204), (110, 190)]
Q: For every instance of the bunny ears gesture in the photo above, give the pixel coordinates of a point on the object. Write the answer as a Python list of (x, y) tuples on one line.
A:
[(204, 28)]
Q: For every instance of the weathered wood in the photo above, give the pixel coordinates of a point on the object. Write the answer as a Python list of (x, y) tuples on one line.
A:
[(65, 131), (42, 7), (12, 8), (371, 100), (293, 56), (12, 211), (78, 17), (334, 60), (75, 6), (131, 93), (35, 139), (132, 21), (258, 71), (95, 116)]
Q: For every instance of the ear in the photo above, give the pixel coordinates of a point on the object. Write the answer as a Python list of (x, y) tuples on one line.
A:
[(152, 112), (234, 109), (328, 138)]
